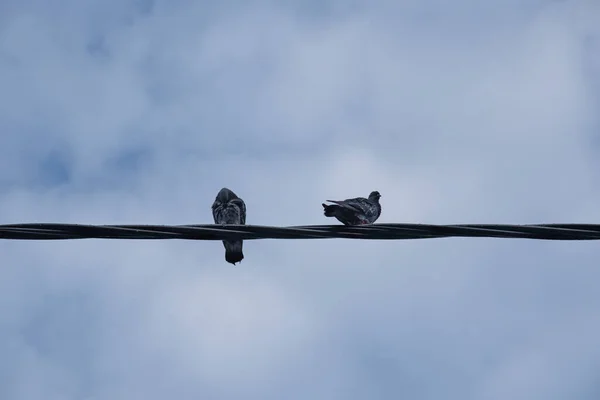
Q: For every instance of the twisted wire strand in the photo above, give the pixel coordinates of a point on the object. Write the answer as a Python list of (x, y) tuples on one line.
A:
[(48, 231)]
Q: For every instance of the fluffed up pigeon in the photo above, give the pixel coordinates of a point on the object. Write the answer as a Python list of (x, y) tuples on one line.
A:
[(229, 209), (356, 211)]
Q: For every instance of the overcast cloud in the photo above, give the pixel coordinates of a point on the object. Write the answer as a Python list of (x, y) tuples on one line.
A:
[(139, 111)]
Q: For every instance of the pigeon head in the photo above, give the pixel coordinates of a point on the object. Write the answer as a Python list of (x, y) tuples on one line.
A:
[(375, 196), (226, 195)]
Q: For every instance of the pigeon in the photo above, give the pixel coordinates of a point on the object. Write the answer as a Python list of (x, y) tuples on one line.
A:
[(229, 209), (356, 211)]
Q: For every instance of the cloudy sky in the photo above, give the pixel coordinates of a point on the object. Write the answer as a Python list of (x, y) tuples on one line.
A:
[(139, 111)]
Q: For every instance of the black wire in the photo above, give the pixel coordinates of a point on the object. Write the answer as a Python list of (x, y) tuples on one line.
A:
[(253, 232)]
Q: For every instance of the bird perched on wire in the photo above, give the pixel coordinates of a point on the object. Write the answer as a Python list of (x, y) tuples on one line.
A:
[(229, 209), (356, 211)]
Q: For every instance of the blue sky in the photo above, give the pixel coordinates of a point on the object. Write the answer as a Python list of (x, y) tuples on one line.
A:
[(457, 112)]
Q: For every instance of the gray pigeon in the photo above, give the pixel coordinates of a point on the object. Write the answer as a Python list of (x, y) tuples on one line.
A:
[(356, 211), (229, 209)]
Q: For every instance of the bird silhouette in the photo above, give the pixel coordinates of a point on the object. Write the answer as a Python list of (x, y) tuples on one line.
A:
[(355, 211), (229, 209)]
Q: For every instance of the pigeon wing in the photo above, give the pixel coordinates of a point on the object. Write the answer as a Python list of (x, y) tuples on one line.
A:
[(347, 204), (360, 204), (242, 209), (216, 208)]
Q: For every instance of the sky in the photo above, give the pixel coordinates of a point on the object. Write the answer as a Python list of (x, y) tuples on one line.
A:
[(139, 111)]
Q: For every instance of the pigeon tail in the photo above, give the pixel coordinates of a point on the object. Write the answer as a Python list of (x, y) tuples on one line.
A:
[(233, 251), (329, 210)]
